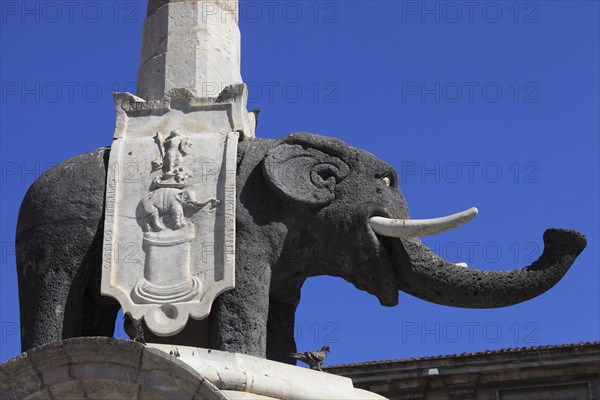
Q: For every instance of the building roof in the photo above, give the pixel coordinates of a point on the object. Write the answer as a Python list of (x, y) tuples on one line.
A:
[(567, 371), (475, 354)]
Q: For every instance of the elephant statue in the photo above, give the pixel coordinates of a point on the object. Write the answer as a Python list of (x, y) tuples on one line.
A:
[(307, 205), (169, 201)]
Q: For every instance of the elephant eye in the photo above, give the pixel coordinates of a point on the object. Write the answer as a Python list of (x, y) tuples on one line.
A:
[(387, 178)]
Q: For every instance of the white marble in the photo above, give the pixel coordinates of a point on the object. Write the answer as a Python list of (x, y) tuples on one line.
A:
[(405, 228), (241, 376), (169, 236), (193, 45)]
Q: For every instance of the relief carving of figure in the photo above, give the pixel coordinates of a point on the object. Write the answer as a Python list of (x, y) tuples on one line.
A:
[(172, 146), (172, 150)]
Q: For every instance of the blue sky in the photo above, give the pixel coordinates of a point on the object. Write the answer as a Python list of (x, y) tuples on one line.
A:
[(487, 104)]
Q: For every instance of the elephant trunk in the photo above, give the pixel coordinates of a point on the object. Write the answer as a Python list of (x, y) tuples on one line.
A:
[(423, 274)]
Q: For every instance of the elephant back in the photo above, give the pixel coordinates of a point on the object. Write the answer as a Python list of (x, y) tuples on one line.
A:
[(72, 190), (160, 199)]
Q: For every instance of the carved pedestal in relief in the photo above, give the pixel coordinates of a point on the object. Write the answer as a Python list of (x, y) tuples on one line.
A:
[(169, 236), (167, 285)]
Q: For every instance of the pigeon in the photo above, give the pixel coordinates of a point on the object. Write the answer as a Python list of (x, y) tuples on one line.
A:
[(313, 358), (133, 328)]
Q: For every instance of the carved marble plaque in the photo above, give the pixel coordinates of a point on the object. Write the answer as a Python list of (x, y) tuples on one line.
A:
[(169, 233)]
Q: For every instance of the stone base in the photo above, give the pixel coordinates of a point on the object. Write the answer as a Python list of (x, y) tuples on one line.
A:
[(240, 376), (101, 368), (107, 368)]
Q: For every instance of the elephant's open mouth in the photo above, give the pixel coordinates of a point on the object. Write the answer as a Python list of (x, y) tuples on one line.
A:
[(361, 219), (381, 242), (387, 228)]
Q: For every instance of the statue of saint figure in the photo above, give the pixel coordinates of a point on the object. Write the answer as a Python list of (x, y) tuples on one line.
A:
[(176, 146), (172, 150)]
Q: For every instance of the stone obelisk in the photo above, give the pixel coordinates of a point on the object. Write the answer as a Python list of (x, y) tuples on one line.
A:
[(169, 234), (189, 44)]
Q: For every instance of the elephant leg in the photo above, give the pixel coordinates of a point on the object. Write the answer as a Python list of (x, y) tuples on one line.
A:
[(99, 313), (153, 219), (178, 217), (102, 321), (280, 328), (49, 263), (59, 226), (239, 316)]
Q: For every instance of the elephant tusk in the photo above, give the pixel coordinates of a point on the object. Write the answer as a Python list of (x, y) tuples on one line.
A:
[(405, 228)]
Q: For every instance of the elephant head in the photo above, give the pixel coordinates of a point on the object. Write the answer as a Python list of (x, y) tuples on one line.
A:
[(337, 210), (187, 197)]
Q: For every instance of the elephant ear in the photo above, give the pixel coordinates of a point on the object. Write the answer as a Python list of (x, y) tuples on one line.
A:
[(304, 169)]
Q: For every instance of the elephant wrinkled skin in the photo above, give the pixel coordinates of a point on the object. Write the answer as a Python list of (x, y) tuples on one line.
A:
[(303, 209)]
